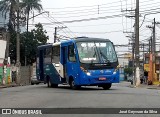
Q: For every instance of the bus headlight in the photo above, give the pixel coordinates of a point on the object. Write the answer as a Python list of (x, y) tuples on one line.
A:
[(88, 73)]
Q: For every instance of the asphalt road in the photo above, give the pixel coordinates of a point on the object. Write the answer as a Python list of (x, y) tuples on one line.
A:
[(119, 96)]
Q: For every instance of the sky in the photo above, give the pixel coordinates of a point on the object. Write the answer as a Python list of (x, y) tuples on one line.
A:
[(98, 18)]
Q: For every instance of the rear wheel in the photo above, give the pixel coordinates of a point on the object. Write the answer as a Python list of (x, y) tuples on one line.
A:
[(49, 83), (107, 86)]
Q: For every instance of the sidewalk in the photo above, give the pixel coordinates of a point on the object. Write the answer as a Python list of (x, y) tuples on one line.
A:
[(9, 85), (147, 86)]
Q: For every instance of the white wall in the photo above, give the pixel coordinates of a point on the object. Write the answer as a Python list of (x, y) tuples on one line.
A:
[(2, 50), (123, 61)]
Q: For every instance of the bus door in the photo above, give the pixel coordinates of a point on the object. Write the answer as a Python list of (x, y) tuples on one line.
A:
[(41, 65), (72, 66), (64, 61)]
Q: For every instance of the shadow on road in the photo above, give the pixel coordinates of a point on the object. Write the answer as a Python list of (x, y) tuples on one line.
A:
[(83, 88)]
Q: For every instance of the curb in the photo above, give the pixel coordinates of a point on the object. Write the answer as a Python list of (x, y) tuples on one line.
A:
[(7, 86), (146, 86), (13, 85)]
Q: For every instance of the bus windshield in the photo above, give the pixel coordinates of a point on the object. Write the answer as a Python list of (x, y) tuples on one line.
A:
[(96, 52)]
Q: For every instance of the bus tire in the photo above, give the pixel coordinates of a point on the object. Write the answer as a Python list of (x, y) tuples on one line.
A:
[(107, 86), (73, 86), (49, 83)]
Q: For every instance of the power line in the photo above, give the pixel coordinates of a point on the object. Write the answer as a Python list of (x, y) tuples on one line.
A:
[(54, 23), (101, 7), (77, 7), (53, 19), (90, 19), (83, 6), (98, 32), (91, 12)]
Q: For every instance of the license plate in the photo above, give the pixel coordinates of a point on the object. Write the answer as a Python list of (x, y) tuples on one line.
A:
[(102, 78)]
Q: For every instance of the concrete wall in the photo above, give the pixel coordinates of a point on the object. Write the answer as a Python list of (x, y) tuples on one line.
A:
[(25, 75), (2, 49), (123, 61)]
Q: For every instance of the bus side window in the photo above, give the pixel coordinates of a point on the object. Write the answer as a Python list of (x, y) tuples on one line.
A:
[(71, 53), (56, 54), (48, 55)]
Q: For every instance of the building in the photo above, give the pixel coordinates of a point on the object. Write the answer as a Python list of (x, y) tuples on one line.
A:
[(123, 62), (152, 68)]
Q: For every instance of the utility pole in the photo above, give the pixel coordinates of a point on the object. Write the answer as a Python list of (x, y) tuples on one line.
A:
[(149, 44), (55, 35), (137, 43), (133, 68), (18, 47), (143, 57), (153, 51), (153, 44), (151, 77)]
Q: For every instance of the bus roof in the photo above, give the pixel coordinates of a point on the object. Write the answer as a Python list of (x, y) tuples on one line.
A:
[(89, 39), (78, 39), (44, 46)]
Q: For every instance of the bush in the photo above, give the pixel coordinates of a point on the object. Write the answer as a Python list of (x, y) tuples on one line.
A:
[(128, 71)]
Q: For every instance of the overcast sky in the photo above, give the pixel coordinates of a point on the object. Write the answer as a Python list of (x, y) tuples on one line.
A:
[(97, 18)]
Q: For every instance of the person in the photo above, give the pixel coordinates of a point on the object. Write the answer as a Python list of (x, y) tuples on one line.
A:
[(145, 76), (141, 79)]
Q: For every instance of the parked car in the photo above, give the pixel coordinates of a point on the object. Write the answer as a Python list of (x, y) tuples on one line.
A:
[(34, 80), (33, 76)]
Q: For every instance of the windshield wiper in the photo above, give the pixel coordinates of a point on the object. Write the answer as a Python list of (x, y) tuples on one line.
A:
[(104, 56)]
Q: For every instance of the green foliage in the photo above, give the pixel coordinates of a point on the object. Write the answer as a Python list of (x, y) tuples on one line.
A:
[(128, 71), (29, 5), (28, 44), (40, 34), (8, 9)]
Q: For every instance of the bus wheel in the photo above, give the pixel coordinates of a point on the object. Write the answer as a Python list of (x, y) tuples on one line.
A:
[(49, 83), (73, 86), (107, 86)]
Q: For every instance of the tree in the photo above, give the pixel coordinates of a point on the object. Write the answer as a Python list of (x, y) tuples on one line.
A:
[(29, 43), (8, 8), (128, 71), (30, 5), (40, 34)]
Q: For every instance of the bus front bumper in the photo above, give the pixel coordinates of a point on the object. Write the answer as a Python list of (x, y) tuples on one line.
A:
[(96, 80)]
